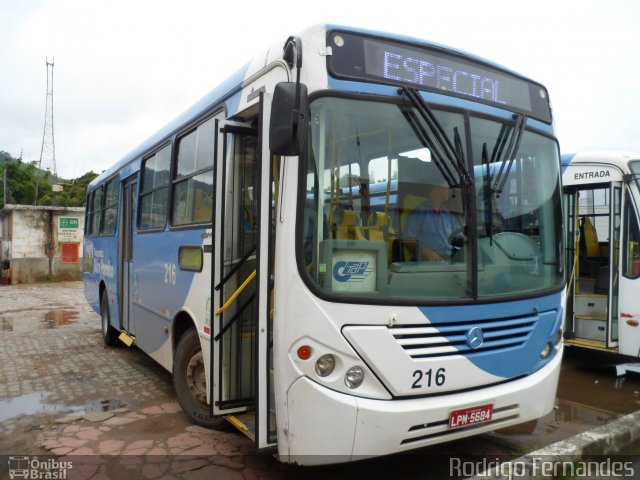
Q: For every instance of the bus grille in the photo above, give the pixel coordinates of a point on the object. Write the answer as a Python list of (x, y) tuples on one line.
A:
[(451, 338)]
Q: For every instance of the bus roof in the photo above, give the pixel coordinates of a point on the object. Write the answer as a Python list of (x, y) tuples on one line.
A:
[(227, 90), (619, 159)]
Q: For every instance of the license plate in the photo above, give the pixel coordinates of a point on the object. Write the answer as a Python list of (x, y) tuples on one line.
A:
[(470, 416)]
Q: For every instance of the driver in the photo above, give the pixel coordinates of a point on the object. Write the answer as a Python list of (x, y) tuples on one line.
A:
[(432, 225)]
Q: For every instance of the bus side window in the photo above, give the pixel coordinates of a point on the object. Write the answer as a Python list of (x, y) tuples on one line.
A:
[(193, 183), (110, 211), (96, 207), (631, 241), (155, 190)]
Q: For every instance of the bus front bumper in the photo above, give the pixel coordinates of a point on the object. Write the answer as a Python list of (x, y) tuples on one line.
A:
[(325, 426)]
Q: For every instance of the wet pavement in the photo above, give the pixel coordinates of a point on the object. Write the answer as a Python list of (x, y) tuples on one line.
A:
[(113, 412)]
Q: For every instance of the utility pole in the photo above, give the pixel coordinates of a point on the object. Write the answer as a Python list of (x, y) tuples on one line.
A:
[(5, 193), (48, 149)]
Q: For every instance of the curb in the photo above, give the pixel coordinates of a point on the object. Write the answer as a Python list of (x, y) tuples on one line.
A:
[(603, 440)]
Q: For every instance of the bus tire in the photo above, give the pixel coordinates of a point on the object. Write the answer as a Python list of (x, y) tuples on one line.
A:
[(189, 381), (109, 334)]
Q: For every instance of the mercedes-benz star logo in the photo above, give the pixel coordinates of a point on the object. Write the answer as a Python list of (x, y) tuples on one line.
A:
[(475, 338)]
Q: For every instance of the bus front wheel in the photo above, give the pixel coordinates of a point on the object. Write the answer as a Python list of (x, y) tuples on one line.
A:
[(109, 334), (189, 381)]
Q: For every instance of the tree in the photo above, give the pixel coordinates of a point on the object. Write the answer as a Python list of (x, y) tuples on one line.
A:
[(21, 185), (73, 194)]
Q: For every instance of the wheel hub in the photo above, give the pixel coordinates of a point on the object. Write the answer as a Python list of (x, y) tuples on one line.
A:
[(196, 380)]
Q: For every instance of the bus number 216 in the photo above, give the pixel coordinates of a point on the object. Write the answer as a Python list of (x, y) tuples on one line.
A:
[(170, 273), (429, 378)]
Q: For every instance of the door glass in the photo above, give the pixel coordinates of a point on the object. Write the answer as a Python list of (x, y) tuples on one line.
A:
[(615, 263), (592, 306), (239, 262), (571, 228)]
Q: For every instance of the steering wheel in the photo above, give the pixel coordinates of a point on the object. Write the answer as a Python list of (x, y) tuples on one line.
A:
[(457, 237)]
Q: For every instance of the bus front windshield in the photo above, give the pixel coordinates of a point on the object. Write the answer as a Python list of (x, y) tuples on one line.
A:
[(389, 213)]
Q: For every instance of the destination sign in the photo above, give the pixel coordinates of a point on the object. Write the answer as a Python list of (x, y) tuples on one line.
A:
[(435, 69)]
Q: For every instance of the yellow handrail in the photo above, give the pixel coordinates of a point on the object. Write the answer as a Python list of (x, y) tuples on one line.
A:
[(236, 293)]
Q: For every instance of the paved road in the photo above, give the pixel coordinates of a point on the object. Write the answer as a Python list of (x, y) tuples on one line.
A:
[(112, 411)]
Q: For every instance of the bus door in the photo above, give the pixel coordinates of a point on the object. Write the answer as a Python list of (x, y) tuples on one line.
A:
[(629, 303), (241, 279), (129, 195), (592, 221)]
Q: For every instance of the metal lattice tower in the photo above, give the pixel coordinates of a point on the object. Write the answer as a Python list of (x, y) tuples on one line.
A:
[(48, 150)]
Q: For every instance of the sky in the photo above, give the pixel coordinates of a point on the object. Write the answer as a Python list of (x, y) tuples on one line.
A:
[(125, 68)]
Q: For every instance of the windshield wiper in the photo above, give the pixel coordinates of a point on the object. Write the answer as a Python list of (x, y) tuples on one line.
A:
[(438, 142), (448, 156), (488, 213), (508, 156)]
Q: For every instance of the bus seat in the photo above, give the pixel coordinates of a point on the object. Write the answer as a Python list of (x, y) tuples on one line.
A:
[(590, 259), (409, 204), (346, 225), (589, 235), (404, 249), (379, 226)]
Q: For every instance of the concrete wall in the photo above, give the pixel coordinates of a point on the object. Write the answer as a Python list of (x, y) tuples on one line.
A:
[(44, 243)]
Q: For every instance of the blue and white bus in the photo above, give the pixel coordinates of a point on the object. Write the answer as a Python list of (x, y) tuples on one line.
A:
[(257, 248)]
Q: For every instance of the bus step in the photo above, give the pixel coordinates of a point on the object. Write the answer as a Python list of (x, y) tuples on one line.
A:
[(127, 339), (583, 316), (589, 343), (245, 422)]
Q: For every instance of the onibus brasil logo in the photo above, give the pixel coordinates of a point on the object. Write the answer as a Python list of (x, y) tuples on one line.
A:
[(38, 469)]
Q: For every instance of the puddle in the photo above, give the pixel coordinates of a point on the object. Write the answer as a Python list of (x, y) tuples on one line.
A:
[(575, 413), (588, 381), (57, 318), (37, 320), (104, 405), (37, 403)]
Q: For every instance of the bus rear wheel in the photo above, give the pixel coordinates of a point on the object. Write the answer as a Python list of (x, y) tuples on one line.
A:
[(189, 381), (109, 334)]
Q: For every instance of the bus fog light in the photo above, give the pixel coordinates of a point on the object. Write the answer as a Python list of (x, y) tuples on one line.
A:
[(354, 377), (546, 351), (325, 365)]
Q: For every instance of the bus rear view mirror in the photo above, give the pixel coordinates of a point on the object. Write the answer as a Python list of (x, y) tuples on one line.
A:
[(288, 128)]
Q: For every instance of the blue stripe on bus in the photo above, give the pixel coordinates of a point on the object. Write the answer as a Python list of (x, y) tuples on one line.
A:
[(509, 362), (565, 160)]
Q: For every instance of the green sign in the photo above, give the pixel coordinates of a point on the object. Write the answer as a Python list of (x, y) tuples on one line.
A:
[(66, 222)]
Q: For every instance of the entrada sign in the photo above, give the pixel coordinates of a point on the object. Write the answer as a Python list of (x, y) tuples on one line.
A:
[(591, 175)]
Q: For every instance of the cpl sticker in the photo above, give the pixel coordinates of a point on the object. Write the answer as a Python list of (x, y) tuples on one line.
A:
[(351, 271)]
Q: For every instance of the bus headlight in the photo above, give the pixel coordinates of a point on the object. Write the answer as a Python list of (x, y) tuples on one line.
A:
[(546, 351), (354, 377), (325, 365)]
